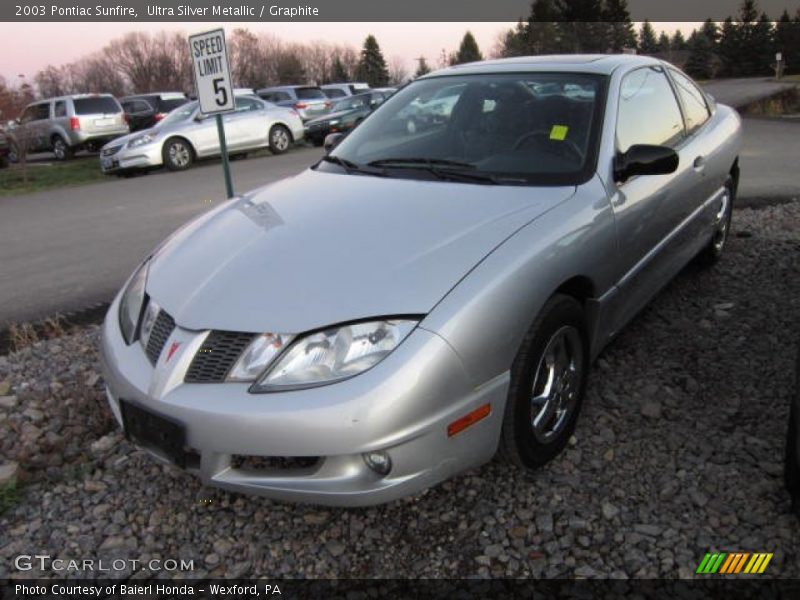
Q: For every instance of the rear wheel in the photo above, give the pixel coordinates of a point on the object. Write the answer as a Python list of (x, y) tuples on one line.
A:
[(178, 154), (722, 227), (13, 152), (548, 381), (279, 139), (61, 149)]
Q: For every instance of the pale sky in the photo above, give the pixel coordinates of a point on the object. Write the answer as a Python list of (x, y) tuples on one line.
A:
[(28, 47)]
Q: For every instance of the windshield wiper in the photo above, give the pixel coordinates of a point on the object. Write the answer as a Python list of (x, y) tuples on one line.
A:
[(441, 168), (412, 163), (349, 166)]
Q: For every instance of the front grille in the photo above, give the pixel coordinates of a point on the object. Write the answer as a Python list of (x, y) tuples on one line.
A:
[(217, 355), (162, 329), (111, 150)]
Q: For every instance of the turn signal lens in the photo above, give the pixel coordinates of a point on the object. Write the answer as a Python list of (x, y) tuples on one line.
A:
[(469, 420)]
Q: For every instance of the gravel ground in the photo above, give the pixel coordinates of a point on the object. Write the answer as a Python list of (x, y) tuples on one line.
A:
[(678, 452)]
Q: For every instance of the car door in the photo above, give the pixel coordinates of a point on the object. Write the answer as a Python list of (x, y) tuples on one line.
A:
[(201, 130), (652, 212), (246, 127)]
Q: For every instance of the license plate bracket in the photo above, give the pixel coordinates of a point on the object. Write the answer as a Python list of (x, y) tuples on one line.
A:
[(154, 431)]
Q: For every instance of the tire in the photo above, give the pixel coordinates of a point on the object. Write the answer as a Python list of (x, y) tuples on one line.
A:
[(4, 162), (280, 138), (61, 149), (711, 254), (317, 142), (178, 154), (548, 382), (13, 153)]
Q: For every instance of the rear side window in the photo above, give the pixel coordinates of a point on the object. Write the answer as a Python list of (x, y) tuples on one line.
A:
[(60, 109), (648, 110), (694, 102), (309, 94), (95, 105), (41, 112)]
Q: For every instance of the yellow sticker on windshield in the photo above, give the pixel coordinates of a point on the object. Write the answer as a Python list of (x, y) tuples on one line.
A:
[(559, 132)]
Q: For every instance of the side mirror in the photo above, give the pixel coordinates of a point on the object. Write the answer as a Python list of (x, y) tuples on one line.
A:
[(644, 159), (200, 117), (332, 140)]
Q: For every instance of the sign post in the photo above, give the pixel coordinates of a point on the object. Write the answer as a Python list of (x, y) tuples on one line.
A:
[(212, 78)]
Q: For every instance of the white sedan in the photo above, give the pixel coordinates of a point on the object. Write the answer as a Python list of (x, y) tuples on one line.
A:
[(186, 134)]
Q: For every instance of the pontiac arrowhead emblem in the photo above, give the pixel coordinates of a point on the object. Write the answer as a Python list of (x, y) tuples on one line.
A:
[(172, 350)]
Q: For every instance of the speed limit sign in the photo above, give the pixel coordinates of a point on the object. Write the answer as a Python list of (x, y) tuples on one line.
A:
[(212, 75)]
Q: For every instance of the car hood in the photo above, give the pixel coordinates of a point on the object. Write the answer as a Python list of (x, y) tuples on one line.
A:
[(323, 248), (124, 139)]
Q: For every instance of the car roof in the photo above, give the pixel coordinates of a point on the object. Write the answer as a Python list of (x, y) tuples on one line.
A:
[(71, 97), (162, 95), (277, 88), (604, 64)]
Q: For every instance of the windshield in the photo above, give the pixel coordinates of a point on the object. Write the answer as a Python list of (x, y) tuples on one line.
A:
[(183, 113), (515, 128)]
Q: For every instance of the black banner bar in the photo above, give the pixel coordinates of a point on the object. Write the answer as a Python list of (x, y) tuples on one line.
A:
[(349, 10)]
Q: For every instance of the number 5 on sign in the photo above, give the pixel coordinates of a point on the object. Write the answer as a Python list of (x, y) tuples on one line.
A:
[(212, 78), (212, 75)]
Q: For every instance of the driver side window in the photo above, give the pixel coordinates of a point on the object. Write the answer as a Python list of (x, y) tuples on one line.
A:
[(648, 111)]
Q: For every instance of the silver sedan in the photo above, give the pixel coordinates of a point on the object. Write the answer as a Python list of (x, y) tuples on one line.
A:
[(186, 134), (418, 299)]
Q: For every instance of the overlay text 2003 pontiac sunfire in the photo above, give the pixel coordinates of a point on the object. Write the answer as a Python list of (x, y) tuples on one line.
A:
[(435, 288)]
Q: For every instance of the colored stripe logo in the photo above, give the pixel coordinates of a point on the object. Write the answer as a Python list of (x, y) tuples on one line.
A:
[(734, 563)]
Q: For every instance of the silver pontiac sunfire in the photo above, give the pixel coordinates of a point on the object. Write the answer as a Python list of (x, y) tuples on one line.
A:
[(423, 295)]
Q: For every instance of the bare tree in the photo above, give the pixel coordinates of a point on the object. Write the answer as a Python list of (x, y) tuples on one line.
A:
[(398, 72)]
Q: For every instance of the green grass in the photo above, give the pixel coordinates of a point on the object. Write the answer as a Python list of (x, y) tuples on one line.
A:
[(9, 497), (48, 176)]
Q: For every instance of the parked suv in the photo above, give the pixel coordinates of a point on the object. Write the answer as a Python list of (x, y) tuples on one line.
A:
[(308, 100), (145, 110), (340, 90), (67, 124)]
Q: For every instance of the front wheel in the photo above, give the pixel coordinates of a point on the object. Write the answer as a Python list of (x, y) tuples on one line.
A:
[(279, 139), (722, 227), (548, 381), (178, 154)]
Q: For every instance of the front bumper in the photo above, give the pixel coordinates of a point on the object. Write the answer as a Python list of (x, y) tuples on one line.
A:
[(402, 407), (127, 159)]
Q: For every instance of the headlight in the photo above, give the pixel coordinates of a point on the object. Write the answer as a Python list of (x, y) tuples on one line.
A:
[(140, 140), (258, 355), (333, 122), (130, 307), (334, 354)]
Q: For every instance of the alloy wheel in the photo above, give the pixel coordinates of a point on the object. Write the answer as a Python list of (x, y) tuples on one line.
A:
[(556, 384), (179, 154)]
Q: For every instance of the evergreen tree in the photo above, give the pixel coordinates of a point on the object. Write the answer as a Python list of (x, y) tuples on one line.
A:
[(542, 33), (515, 42), (468, 51), (728, 49), (372, 66), (762, 44), (621, 34), (711, 31), (423, 68), (664, 44), (648, 44), (787, 41), (678, 42), (338, 71), (701, 53), (580, 27)]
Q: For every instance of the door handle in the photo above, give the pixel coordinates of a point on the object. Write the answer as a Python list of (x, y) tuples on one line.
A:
[(699, 163)]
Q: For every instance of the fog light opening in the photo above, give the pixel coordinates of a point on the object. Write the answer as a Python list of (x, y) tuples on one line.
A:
[(378, 462)]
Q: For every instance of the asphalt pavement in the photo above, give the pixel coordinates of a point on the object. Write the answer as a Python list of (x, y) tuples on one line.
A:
[(68, 249)]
